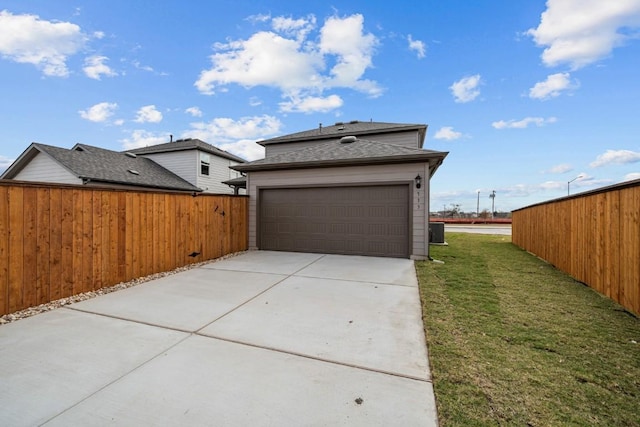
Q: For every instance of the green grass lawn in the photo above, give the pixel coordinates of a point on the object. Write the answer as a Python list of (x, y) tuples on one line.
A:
[(513, 341)]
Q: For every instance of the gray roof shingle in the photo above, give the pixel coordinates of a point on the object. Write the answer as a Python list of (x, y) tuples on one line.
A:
[(337, 153), (98, 164), (187, 144), (340, 129)]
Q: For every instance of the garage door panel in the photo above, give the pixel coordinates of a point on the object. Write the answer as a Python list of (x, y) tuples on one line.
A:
[(364, 220)]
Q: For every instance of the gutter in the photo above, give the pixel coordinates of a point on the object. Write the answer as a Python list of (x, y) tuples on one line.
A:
[(343, 162)]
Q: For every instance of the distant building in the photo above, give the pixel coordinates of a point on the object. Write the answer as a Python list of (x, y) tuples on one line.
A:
[(184, 165)]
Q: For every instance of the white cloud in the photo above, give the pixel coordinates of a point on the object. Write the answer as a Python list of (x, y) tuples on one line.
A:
[(619, 157), (552, 86), (5, 162), (148, 114), (628, 177), (254, 101), (237, 136), (139, 66), (551, 185), (288, 58), (265, 59), (94, 67), (299, 28), (353, 50), (466, 89), (245, 148), (311, 104), (561, 168), (447, 132), (580, 32), (28, 39), (583, 180), (418, 46), (524, 123), (255, 19), (142, 138), (194, 111), (99, 112)]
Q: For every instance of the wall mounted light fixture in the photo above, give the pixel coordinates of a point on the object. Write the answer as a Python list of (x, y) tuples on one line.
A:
[(418, 180)]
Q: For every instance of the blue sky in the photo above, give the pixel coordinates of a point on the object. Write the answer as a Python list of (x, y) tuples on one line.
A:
[(525, 95)]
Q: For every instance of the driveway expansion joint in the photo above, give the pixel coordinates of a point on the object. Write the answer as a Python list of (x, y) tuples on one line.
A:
[(286, 276), (144, 355), (370, 282), (319, 359), (125, 319), (115, 380)]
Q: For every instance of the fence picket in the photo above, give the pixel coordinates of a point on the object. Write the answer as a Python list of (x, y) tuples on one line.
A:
[(58, 240), (593, 236)]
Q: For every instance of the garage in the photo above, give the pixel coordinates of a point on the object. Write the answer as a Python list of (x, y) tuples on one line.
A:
[(352, 220)]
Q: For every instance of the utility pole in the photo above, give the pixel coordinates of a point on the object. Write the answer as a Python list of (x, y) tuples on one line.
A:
[(493, 202), (478, 206)]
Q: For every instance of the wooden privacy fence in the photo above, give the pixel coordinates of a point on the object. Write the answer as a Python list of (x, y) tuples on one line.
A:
[(57, 240), (593, 236)]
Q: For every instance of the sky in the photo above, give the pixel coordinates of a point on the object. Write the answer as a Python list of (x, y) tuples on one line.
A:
[(524, 95)]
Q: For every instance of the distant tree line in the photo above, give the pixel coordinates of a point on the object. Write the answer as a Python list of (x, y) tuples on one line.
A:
[(454, 211)]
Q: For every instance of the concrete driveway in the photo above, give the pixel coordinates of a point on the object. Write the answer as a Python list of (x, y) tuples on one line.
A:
[(262, 338)]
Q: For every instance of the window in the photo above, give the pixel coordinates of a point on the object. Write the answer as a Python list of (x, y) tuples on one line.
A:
[(204, 163)]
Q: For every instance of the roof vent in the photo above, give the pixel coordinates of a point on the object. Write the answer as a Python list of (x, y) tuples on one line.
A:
[(347, 139), (339, 123), (134, 172), (353, 122), (128, 154)]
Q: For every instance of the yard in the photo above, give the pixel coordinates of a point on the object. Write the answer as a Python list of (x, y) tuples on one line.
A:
[(513, 341)]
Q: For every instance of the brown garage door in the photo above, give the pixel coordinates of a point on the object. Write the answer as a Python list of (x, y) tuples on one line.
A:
[(365, 220)]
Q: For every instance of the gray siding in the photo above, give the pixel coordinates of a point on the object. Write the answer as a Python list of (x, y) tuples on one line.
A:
[(275, 149), (186, 164), (182, 163), (218, 171), (408, 139), (347, 175), (43, 168)]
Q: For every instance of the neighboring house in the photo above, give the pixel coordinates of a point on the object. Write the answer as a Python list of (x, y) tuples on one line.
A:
[(357, 188), (184, 165), (202, 164), (87, 165)]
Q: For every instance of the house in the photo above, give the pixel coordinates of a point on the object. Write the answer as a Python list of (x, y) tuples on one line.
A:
[(201, 164), (356, 188), (87, 165), (184, 165)]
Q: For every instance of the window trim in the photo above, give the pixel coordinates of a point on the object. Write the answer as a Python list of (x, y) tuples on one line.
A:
[(205, 164)]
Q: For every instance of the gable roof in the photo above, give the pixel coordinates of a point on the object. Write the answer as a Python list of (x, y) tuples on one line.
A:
[(187, 144), (101, 165), (341, 129), (345, 153)]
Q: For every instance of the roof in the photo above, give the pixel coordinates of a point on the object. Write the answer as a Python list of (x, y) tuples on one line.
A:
[(340, 153), (100, 165), (341, 129), (187, 144), (240, 181)]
